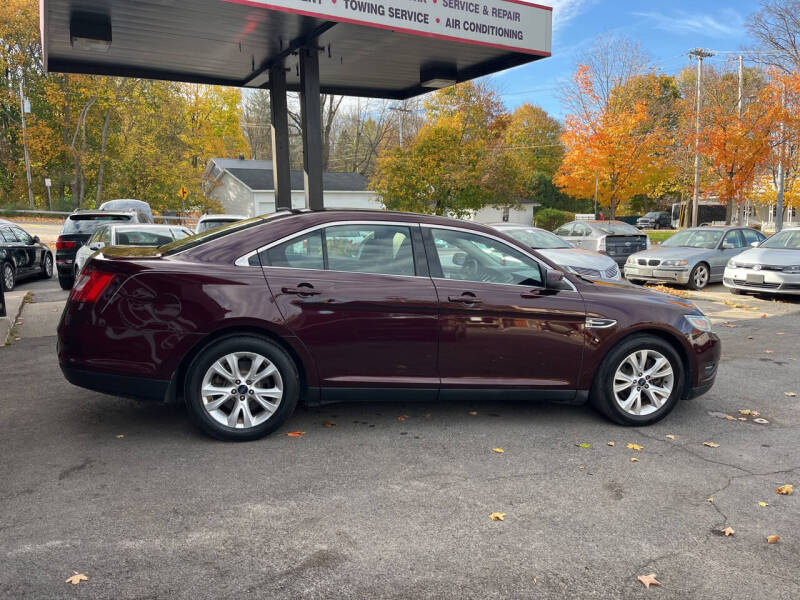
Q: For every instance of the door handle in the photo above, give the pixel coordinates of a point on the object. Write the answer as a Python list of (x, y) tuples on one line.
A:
[(464, 299), (531, 294), (301, 290)]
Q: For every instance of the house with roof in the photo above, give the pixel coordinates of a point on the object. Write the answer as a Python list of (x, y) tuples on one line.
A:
[(247, 187)]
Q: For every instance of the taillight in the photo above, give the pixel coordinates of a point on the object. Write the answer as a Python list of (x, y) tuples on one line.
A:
[(62, 244), (601, 244), (90, 285)]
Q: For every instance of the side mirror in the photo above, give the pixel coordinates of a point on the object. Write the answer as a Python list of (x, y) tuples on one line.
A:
[(554, 279), (459, 258), (755, 244), (96, 245), (36, 239)]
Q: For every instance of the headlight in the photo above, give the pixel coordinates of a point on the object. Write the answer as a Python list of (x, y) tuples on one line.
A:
[(674, 263), (793, 269), (733, 264), (630, 260), (699, 322)]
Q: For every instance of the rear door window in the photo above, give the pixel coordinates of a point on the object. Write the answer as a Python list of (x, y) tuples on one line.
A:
[(732, 240), (384, 249), (22, 235), (751, 235)]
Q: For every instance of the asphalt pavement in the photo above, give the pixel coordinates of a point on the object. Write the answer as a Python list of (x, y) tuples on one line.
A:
[(393, 501)]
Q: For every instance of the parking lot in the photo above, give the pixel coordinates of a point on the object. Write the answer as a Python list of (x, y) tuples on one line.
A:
[(393, 500)]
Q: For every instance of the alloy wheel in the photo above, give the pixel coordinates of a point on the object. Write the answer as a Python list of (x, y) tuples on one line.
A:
[(643, 382), (241, 390), (700, 276), (8, 277), (48, 266)]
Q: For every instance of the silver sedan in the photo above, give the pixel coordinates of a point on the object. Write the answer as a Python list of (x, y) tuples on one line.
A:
[(773, 266), (693, 257)]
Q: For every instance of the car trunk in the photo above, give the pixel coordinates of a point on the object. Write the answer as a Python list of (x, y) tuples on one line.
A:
[(620, 247)]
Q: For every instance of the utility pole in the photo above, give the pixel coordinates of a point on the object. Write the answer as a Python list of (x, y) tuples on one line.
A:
[(700, 54), (25, 144), (740, 103), (402, 112), (595, 196), (781, 174)]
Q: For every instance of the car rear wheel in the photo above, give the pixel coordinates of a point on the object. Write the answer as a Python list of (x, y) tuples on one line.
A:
[(47, 266), (698, 278), (637, 281), (639, 382), (8, 276), (241, 388), (65, 281)]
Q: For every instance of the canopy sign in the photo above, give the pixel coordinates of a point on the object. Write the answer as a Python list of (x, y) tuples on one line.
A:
[(508, 24)]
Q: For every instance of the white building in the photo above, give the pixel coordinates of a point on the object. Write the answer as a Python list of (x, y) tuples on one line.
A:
[(520, 214), (247, 187)]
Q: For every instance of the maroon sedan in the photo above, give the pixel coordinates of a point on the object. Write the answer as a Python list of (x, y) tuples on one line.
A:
[(246, 321)]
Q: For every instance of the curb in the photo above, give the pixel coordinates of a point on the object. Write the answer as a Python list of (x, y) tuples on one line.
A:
[(14, 303)]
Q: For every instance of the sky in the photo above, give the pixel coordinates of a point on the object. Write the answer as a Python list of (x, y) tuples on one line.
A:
[(665, 30)]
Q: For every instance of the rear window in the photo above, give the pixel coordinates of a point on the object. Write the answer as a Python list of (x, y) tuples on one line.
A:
[(617, 229), (212, 234), (90, 223)]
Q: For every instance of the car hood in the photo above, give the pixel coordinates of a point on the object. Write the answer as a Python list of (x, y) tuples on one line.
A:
[(770, 256), (676, 252), (577, 257), (608, 289)]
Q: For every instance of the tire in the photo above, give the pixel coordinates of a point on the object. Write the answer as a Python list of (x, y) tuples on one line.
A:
[(47, 266), (696, 279), (8, 277), (636, 281), (602, 395), (65, 281), (230, 407)]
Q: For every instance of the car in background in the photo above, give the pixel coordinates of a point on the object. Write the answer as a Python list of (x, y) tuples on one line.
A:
[(773, 266), (207, 222), (616, 239), (129, 235), (655, 220), (140, 206), (693, 257), (76, 231), (22, 256), (580, 261), (245, 321)]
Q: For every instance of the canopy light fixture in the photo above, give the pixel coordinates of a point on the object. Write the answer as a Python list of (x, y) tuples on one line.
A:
[(90, 31), (438, 76)]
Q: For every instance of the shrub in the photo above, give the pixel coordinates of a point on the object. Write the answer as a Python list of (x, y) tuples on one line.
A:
[(550, 218)]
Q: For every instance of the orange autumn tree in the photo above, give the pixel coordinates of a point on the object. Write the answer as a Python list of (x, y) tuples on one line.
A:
[(619, 143)]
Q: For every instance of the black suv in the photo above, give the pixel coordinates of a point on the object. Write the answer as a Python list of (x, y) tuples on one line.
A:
[(655, 220), (77, 230)]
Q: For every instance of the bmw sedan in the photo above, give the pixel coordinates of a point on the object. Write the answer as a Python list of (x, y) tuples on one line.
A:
[(244, 322), (580, 261), (773, 266), (692, 257)]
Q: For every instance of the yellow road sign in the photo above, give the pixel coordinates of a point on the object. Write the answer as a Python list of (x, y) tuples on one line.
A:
[(183, 192)]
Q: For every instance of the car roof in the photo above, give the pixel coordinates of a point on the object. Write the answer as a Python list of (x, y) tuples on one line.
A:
[(217, 217), (101, 213), (141, 226)]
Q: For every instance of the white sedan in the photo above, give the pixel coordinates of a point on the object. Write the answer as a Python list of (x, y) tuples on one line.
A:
[(771, 267), (137, 234)]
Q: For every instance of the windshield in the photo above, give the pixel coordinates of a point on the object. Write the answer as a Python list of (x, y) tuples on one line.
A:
[(536, 238), (89, 223), (652, 215), (610, 228), (695, 238), (788, 240)]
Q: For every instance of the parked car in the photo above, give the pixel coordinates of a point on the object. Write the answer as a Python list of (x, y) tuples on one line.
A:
[(246, 321), (22, 255), (76, 231), (773, 266), (655, 220), (616, 239), (564, 254), (693, 257), (140, 206), (129, 235), (207, 222)]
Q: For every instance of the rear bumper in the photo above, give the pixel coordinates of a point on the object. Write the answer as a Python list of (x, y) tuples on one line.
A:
[(695, 392), (139, 388)]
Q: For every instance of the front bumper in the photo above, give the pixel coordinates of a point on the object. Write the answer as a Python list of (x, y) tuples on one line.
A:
[(750, 280), (679, 275)]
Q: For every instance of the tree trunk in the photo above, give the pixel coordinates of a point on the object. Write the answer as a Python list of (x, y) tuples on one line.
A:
[(101, 167), (729, 212)]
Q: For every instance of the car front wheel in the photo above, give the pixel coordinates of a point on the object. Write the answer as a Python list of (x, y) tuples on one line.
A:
[(698, 278), (639, 382), (47, 266), (8, 277), (241, 388)]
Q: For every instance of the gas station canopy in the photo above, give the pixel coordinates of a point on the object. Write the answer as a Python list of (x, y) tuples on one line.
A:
[(389, 49)]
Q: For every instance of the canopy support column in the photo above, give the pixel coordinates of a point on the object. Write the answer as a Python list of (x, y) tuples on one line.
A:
[(311, 120), (280, 137)]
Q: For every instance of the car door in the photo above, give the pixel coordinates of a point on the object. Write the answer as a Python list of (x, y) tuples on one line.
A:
[(359, 297), (31, 250), (19, 250), (499, 328), (732, 244)]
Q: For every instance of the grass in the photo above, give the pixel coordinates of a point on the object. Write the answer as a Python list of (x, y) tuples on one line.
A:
[(659, 235)]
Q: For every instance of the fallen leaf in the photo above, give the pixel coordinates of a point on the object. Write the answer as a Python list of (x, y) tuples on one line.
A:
[(764, 316), (76, 578), (763, 504), (582, 468), (611, 444), (329, 424), (769, 351), (728, 531), (755, 413), (730, 418), (742, 419), (669, 436), (749, 337), (785, 490), (120, 436), (773, 539), (760, 421), (535, 580), (634, 459), (636, 447), (498, 450), (295, 433), (648, 580), (710, 499), (711, 444), (402, 417), (497, 516), (584, 445), (790, 394), (745, 412), (778, 333), (472, 413)]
